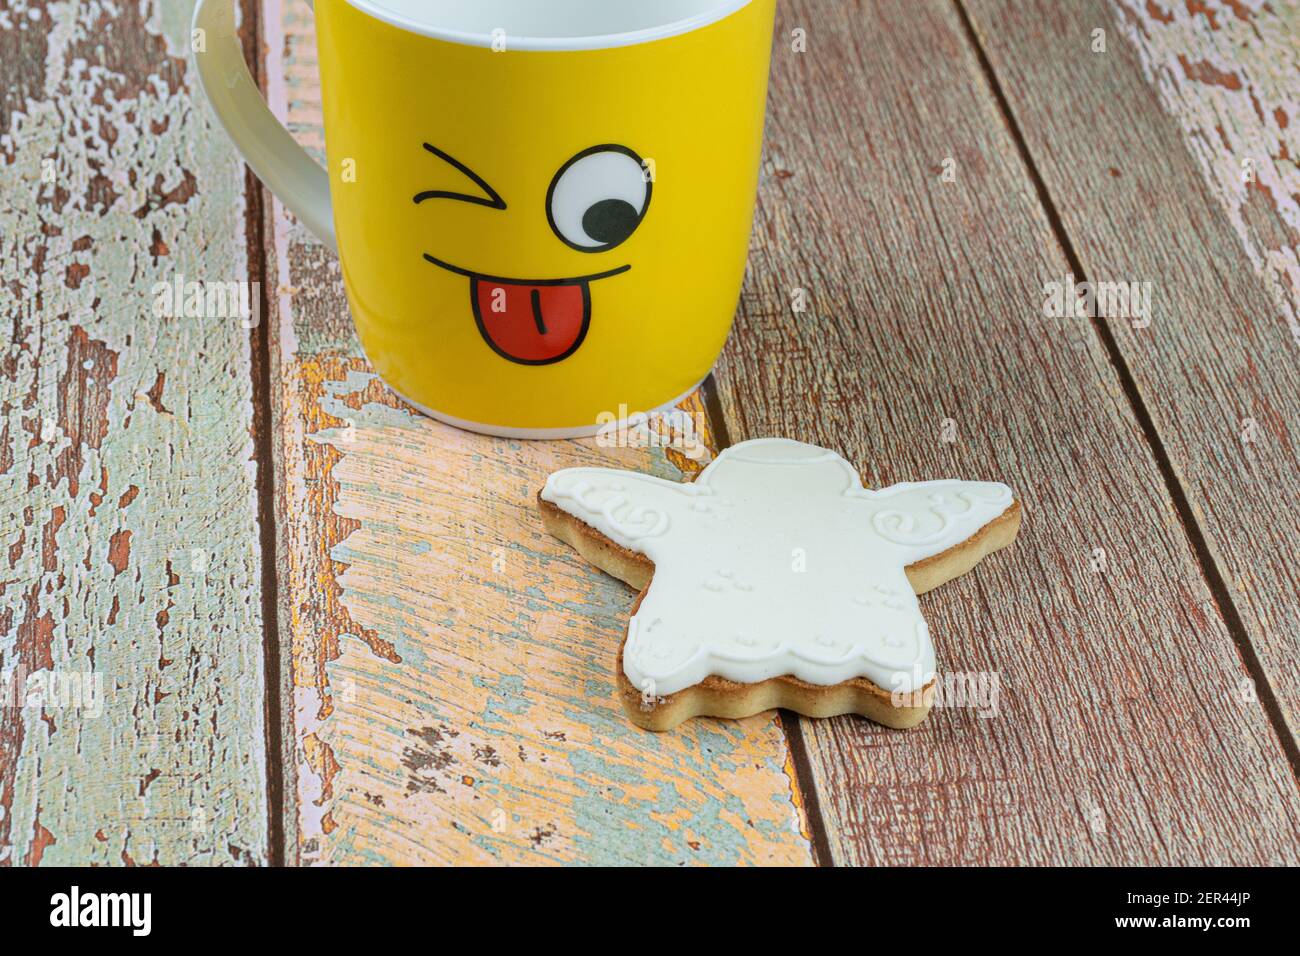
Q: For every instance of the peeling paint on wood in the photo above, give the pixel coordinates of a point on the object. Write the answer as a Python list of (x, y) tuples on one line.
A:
[(452, 665), (1228, 73), (127, 507)]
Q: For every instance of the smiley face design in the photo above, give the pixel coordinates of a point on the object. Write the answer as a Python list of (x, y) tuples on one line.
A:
[(511, 264), (595, 202)]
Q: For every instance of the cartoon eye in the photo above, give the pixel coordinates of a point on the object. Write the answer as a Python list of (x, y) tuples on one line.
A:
[(598, 198)]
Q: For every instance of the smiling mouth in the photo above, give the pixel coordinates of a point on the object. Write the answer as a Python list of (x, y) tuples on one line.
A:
[(531, 321)]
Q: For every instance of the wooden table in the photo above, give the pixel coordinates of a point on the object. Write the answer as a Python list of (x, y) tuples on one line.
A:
[(315, 648)]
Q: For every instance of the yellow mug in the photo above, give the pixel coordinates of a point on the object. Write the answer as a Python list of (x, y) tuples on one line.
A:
[(542, 210)]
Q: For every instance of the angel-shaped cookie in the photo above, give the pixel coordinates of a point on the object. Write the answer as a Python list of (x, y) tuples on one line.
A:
[(776, 580)]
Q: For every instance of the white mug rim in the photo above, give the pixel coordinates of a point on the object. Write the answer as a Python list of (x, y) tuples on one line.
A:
[(555, 44)]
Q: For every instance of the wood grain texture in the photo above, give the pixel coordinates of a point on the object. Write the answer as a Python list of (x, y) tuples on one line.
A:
[(127, 499), (1204, 204), (452, 665), (1120, 734)]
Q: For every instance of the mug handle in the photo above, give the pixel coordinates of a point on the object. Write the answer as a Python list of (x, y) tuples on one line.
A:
[(285, 167)]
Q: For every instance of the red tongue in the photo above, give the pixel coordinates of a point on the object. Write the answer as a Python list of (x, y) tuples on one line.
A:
[(532, 324)]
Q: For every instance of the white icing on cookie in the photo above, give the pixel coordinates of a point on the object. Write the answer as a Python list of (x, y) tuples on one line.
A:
[(777, 561)]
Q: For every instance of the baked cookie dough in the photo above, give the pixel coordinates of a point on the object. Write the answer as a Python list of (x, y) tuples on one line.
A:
[(775, 579)]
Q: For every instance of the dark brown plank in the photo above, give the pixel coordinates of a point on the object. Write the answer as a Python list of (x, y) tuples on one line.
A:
[(1172, 160), (1120, 736)]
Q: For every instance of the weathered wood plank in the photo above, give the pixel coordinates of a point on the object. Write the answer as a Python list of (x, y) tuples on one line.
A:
[(452, 664), (1203, 204), (1121, 735), (127, 486)]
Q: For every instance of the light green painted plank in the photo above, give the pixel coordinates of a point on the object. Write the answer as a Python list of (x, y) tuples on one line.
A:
[(130, 556)]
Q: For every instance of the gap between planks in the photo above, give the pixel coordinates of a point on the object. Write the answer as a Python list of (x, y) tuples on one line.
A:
[(263, 424), (1191, 527)]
